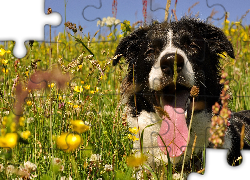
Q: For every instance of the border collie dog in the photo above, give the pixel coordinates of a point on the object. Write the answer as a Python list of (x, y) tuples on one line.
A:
[(151, 52)]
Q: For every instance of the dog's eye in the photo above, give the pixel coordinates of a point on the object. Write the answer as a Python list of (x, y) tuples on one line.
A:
[(194, 46), (150, 51)]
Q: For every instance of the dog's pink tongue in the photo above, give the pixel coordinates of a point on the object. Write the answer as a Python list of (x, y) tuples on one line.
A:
[(174, 131)]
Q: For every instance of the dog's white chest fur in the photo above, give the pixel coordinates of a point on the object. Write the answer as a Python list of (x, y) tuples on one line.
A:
[(156, 157)]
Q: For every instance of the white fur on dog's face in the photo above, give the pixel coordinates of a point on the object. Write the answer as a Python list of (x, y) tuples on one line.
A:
[(156, 74)]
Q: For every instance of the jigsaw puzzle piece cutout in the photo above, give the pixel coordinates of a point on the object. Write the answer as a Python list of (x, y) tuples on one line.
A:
[(218, 168), (219, 9), (51, 52), (32, 63), (38, 80), (65, 50), (29, 18), (89, 10)]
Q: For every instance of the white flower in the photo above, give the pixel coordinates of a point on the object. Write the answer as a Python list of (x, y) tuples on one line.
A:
[(57, 161), (61, 168), (98, 23), (95, 157), (23, 172), (177, 176), (30, 166), (109, 21), (103, 21), (108, 167), (30, 120), (6, 113), (10, 169), (64, 178), (1, 167), (117, 21), (87, 123)]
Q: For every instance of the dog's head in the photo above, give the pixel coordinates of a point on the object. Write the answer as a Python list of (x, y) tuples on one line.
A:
[(190, 45)]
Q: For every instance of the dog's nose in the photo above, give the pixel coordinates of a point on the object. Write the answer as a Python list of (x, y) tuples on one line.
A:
[(167, 63)]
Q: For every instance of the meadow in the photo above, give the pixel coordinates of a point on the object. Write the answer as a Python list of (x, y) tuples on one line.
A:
[(61, 116)]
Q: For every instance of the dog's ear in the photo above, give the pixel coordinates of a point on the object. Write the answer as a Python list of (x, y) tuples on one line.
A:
[(217, 41), (130, 46)]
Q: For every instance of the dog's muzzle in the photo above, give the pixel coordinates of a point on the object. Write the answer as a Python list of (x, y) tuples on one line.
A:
[(167, 63), (172, 98)]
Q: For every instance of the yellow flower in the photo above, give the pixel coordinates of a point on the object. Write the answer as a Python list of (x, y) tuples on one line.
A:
[(82, 82), (3, 132), (13, 127), (79, 66), (109, 35), (92, 92), (120, 36), (27, 73), (2, 52), (87, 87), (232, 31), (25, 134), (29, 103), (97, 89), (237, 23), (135, 161), (227, 22), (59, 97), (134, 130), (8, 51), (4, 62), (21, 121), (78, 89), (75, 106), (70, 103), (68, 141), (245, 37), (5, 119), (226, 32), (133, 138), (223, 55), (51, 85), (79, 126), (9, 140), (5, 70)]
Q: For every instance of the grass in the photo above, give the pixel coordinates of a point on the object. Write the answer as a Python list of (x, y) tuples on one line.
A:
[(92, 95)]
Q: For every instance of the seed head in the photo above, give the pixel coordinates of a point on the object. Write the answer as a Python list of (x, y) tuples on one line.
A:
[(194, 91), (49, 11)]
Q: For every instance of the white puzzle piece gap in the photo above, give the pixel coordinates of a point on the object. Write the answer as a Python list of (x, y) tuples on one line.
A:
[(24, 20), (217, 168)]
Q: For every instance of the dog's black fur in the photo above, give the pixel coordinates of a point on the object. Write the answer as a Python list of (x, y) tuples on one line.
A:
[(200, 44)]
